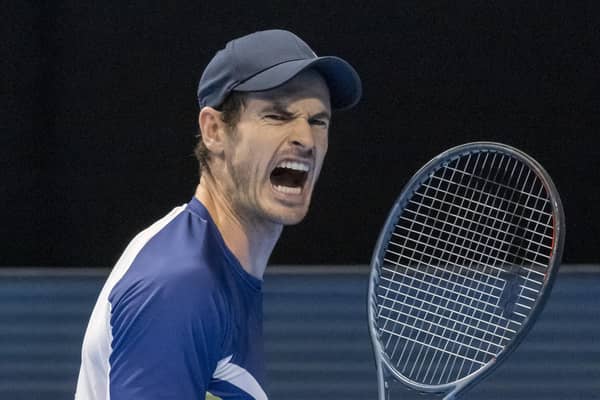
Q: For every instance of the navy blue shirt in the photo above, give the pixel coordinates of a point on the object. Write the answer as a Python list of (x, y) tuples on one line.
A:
[(178, 317)]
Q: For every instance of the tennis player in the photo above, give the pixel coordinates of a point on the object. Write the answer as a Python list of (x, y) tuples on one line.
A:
[(180, 316)]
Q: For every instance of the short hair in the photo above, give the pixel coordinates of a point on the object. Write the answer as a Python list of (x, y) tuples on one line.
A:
[(231, 110)]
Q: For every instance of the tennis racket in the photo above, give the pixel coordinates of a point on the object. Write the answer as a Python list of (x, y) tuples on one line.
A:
[(462, 267)]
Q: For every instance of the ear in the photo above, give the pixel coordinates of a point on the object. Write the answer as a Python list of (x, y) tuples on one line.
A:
[(213, 129)]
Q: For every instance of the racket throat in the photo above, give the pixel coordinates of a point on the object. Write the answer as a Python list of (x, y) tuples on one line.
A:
[(452, 395)]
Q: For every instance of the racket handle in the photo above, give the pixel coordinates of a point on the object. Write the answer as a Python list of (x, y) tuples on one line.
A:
[(383, 386)]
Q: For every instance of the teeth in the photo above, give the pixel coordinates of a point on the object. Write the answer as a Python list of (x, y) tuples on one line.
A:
[(288, 190), (298, 166)]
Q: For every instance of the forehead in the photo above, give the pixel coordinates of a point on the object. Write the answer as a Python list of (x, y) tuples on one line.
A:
[(308, 86)]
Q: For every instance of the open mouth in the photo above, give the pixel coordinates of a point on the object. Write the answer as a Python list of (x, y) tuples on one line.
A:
[(289, 177)]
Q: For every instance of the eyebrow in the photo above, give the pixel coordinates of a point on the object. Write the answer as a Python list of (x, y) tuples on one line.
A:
[(278, 107), (281, 108)]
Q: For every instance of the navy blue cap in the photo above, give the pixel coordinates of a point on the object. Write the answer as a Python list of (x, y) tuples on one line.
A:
[(267, 59)]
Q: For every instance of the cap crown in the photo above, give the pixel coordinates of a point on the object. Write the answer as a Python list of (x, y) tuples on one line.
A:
[(267, 59), (245, 57)]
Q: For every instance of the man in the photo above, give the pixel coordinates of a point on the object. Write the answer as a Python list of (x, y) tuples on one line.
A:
[(180, 315)]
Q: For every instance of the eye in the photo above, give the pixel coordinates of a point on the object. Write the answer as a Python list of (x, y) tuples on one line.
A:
[(320, 122), (276, 117)]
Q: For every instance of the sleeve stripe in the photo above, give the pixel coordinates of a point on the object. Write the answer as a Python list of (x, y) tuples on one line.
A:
[(239, 377)]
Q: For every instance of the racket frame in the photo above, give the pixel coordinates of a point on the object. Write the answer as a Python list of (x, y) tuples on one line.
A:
[(385, 369)]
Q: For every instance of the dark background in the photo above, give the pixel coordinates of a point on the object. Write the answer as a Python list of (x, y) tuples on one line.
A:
[(99, 113)]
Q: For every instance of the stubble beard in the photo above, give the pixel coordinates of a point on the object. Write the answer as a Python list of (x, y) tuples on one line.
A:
[(246, 201), (255, 207)]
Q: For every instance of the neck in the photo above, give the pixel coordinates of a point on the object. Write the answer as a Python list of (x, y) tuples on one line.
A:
[(251, 241)]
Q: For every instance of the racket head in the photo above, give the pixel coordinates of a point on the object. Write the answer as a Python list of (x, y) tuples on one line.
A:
[(500, 166)]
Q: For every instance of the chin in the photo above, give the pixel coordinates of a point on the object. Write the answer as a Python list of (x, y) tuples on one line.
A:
[(289, 217), (292, 221)]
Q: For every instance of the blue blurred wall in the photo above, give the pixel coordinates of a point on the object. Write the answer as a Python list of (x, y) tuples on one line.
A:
[(316, 337)]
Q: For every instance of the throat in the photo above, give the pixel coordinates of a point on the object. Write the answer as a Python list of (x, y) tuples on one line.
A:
[(250, 241)]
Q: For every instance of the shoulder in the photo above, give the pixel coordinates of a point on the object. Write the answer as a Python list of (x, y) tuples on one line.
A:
[(172, 290), (174, 269)]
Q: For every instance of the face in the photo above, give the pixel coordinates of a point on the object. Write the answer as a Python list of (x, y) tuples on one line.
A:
[(274, 155)]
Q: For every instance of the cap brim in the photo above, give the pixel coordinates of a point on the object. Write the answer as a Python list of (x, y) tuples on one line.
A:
[(345, 88)]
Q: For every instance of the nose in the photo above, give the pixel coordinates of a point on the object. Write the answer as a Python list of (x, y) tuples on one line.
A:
[(302, 136)]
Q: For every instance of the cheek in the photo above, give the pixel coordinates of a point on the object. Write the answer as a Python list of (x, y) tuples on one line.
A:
[(322, 151), (252, 161)]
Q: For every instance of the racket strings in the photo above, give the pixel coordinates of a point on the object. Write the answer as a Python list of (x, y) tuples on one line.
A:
[(470, 302), (450, 207), (463, 267), (484, 234)]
